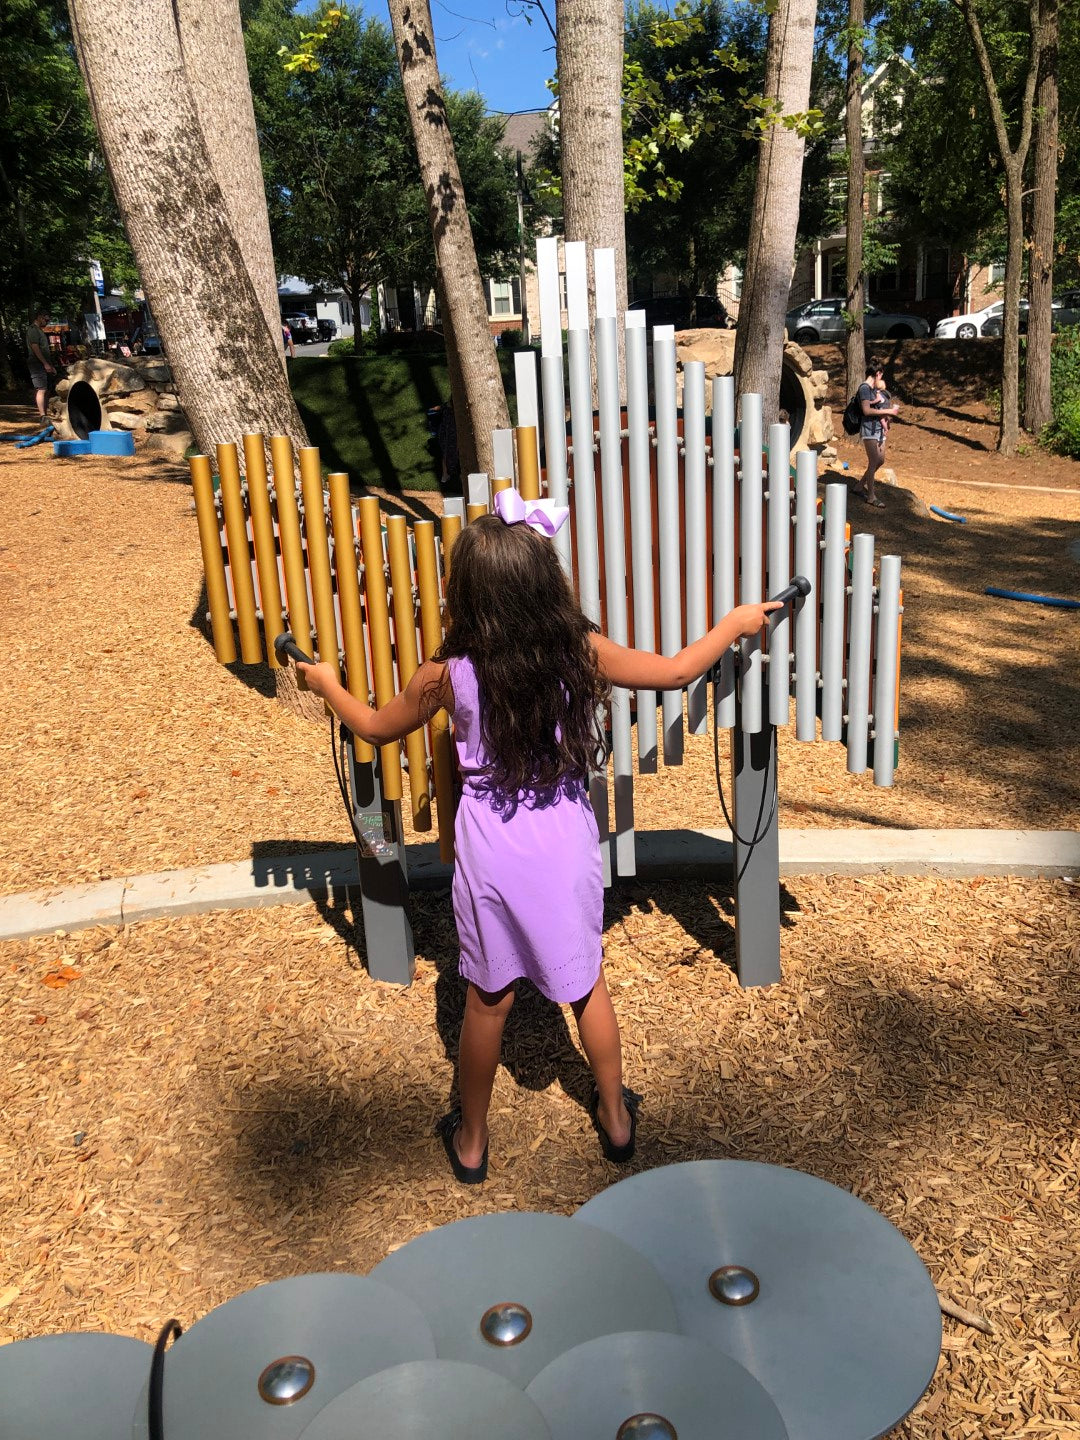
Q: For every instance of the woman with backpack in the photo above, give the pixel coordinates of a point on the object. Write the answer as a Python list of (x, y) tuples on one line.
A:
[(871, 405)]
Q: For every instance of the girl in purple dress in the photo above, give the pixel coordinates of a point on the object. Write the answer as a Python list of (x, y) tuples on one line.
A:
[(526, 676)]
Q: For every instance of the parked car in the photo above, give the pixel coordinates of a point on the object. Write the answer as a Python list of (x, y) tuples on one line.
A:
[(1064, 311), (966, 327), (824, 320), (327, 329), (305, 329), (675, 310)]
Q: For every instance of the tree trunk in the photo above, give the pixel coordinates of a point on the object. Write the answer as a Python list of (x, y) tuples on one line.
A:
[(1009, 432), (485, 408), (770, 254), (212, 42), (1038, 407), (1013, 159), (589, 57), (855, 303), (225, 361)]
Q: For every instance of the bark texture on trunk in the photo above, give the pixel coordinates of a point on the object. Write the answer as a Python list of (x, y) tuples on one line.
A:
[(482, 406), (1038, 407), (589, 56), (855, 303), (770, 254), (225, 362), (1013, 159), (212, 43)]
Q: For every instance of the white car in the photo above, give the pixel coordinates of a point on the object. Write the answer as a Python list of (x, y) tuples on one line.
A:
[(966, 327)]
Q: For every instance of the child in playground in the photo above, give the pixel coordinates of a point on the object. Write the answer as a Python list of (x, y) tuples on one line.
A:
[(525, 676)]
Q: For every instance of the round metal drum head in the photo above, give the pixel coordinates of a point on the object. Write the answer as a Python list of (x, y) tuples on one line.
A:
[(510, 1292), (648, 1385), (430, 1400), (262, 1366), (57, 1386), (844, 1328)]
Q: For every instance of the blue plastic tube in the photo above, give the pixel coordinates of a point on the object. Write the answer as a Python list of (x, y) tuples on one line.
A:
[(1034, 599), (948, 515)]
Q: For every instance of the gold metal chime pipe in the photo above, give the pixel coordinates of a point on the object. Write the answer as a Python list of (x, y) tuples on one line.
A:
[(232, 504), (217, 590), (292, 547), (408, 661), (348, 586), (378, 618), (431, 633), (318, 554), (528, 468), (262, 527)]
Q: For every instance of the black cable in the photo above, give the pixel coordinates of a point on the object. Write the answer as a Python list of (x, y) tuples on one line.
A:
[(155, 1398), (760, 831)]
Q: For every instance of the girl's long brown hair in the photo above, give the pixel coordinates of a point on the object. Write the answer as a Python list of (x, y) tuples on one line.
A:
[(513, 613)]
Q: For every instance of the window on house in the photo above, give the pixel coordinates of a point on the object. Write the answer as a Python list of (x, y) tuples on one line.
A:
[(736, 283), (837, 272), (504, 298), (887, 281), (879, 192), (997, 274)]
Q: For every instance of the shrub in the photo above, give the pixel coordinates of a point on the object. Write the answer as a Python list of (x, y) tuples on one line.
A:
[(1063, 435), (347, 346), (512, 339)]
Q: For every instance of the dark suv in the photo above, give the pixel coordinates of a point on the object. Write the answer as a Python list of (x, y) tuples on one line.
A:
[(676, 310)]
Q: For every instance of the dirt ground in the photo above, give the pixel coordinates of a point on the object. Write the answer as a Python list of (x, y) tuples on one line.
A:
[(192, 1106)]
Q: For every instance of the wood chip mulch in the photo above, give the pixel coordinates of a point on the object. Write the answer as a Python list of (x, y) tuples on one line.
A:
[(193, 1106)]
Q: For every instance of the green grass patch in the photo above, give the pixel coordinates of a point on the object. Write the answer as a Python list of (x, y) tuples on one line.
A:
[(368, 413)]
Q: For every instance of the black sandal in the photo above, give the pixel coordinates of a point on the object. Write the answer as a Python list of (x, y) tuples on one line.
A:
[(446, 1129), (617, 1154)]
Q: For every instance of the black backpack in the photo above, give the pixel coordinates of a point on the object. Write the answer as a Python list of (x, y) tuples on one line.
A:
[(853, 416)]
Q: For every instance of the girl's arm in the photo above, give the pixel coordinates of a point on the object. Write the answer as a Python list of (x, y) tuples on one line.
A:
[(642, 670), (428, 690)]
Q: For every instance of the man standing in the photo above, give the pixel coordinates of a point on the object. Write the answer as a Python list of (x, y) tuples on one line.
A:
[(38, 358)]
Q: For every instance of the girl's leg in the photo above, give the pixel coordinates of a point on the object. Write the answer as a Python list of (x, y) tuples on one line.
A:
[(599, 1033), (874, 456), (478, 1058)]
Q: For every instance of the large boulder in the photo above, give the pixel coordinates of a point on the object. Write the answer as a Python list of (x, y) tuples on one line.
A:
[(108, 377), (174, 445)]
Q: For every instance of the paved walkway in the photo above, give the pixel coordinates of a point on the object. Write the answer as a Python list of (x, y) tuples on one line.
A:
[(661, 854)]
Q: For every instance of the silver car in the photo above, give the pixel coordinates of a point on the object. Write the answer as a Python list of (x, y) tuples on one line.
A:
[(824, 320)]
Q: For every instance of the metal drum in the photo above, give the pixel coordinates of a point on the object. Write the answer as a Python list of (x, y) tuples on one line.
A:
[(815, 1293), (511, 1292), (428, 1398), (261, 1366), (647, 1385), (56, 1386)]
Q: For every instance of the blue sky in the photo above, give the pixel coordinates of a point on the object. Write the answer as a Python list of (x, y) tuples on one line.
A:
[(488, 45)]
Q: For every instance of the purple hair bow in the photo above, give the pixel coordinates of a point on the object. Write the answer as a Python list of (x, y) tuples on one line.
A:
[(542, 515)]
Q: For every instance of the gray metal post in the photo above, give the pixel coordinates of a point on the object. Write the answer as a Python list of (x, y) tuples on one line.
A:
[(668, 524), (807, 552), (750, 567), (723, 523), (834, 606), (696, 536), (860, 626), (384, 879), (757, 863), (778, 550), (641, 557), (885, 676)]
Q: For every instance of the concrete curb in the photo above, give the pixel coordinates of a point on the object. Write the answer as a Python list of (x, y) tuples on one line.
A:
[(661, 854)]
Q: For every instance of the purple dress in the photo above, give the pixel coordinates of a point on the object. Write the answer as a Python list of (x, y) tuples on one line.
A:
[(528, 880)]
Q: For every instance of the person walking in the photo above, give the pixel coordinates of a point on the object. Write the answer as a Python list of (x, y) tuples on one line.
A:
[(39, 359), (872, 431), (525, 676)]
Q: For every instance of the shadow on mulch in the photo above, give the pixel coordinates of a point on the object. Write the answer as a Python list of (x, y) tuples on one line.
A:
[(305, 1135)]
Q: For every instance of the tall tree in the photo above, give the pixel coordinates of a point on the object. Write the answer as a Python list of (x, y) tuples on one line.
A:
[(56, 208), (225, 360), (589, 55), (1038, 410), (212, 45), (855, 273), (774, 218), (479, 399), (1013, 155)]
